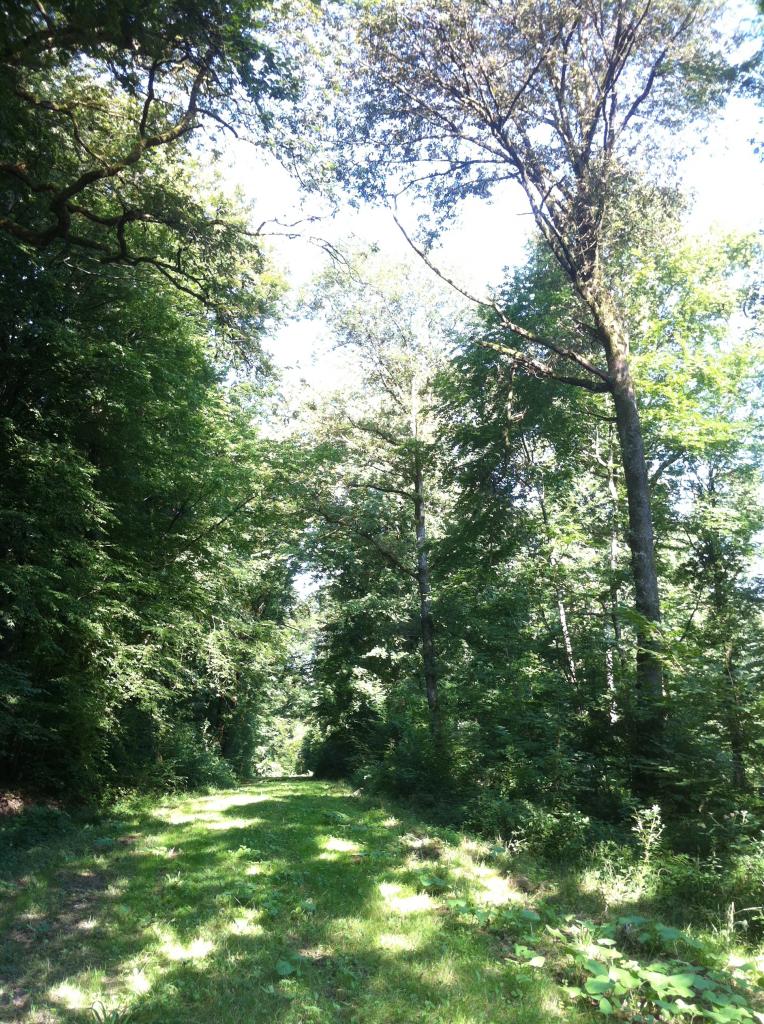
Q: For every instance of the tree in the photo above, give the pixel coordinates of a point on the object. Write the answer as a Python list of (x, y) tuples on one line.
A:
[(101, 103), (558, 98), (141, 588), (382, 437)]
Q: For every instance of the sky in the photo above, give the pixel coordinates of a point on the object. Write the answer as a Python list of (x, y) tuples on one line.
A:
[(724, 175)]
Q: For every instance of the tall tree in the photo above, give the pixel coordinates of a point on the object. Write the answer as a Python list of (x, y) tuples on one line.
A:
[(384, 434), (557, 98)]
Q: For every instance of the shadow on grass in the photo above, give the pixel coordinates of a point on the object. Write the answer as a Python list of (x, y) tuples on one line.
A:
[(266, 904)]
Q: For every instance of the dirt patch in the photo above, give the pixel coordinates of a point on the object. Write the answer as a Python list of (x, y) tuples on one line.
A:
[(17, 999), (15, 801), (22, 937), (423, 847), (128, 840), (82, 892), (82, 881)]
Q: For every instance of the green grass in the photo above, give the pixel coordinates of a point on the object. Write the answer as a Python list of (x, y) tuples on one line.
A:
[(299, 902), (289, 901)]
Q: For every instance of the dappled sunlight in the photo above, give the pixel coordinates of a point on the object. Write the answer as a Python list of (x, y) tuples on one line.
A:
[(248, 924), (139, 983), (332, 844), (196, 950), (496, 890), (70, 996), (245, 925), (223, 803), (175, 817), (399, 903), (315, 953), (415, 904), (222, 824), (394, 942)]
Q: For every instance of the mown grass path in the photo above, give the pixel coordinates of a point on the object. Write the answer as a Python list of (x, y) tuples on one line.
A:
[(292, 901)]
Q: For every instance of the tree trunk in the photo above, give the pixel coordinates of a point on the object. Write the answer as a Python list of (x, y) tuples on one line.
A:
[(425, 613), (734, 728), (647, 724), (612, 613), (721, 627)]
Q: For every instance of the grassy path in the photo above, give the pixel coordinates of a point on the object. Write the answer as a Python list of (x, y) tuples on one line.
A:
[(289, 902)]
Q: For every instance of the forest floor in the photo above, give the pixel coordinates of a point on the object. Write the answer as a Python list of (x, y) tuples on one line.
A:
[(293, 902)]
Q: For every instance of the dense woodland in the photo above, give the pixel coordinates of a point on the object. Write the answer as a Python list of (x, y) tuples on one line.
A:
[(531, 527)]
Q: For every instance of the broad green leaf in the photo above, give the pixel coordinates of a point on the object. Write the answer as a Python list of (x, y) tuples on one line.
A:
[(596, 986)]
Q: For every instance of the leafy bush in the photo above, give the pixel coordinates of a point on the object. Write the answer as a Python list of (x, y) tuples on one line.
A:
[(187, 759), (727, 893), (563, 834), (328, 755)]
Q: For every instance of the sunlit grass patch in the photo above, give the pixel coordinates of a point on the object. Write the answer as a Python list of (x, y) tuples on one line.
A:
[(396, 942), (333, 844), (69, 995), (195, 950), (286, 902)]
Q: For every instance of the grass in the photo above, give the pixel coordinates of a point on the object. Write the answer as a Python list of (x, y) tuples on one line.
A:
[(287, 902)]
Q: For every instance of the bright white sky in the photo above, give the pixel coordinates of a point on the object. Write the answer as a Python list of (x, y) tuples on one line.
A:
[(724, 174)]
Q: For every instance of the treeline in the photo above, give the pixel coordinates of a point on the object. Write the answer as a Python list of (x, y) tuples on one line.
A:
[(145, 530), (502, 688)]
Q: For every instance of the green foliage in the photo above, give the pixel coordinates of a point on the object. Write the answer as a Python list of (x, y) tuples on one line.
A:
[(100, 104), (563, 835), (113, 1016), (135, 605)]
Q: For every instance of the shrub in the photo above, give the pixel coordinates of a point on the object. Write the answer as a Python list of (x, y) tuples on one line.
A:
[(562, 834), (187, 759)]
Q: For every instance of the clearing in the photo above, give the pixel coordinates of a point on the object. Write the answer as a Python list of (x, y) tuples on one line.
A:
[(301, 902)]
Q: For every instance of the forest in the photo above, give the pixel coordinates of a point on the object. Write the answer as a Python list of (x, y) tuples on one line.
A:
[(495, 561)]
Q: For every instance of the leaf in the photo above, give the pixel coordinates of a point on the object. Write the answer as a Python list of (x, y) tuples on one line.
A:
[(284, 968), (595, 967), (606, 1006), (625, 978), (610, 954), (537, 961), (670, 1008), (524, 952), (596, 986), (530, 915)]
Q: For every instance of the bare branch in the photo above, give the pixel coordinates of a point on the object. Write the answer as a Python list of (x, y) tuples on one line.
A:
[(521, 332)]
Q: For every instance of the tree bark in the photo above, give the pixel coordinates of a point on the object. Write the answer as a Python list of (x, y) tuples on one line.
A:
[(610, 605), (429, 663), (647, 714)]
